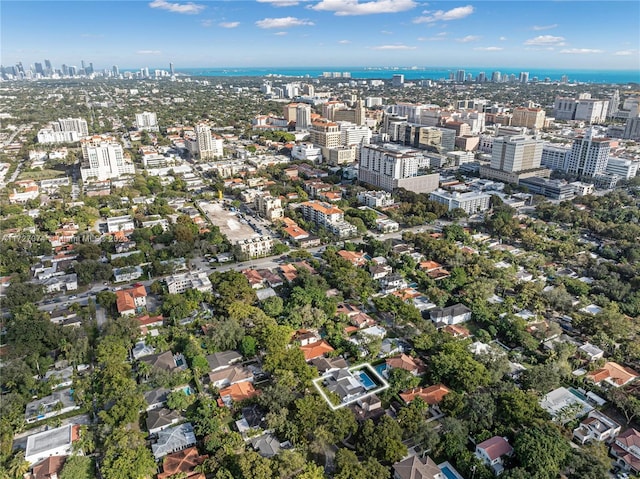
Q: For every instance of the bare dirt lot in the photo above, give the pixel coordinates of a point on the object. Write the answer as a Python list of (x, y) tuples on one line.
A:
[(229, 223)]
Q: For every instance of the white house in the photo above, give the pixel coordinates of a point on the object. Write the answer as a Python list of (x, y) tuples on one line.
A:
[(54, 442), (492, 451), (458, 313)]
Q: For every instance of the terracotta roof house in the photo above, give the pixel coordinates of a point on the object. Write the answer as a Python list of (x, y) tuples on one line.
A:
[(131, 301), (492, 451), (49, 468), (432, 395), (613, 374), (184, 461), (316, 350), (414, 467), (402, 361), (289, 272), (457, 331), (236, 393), (626, 449), (356, 258)]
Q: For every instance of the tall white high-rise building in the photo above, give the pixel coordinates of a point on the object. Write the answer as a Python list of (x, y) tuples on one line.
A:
[(524, 77), (555, 157), (303, 116), (147, 121), (78, 125), (516, 153), (205, 146), (496, 77), (393, 166), (460, 76), (589, 155), (104, 159)]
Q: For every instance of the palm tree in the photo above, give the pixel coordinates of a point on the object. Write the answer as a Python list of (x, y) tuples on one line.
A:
[(17, 466)]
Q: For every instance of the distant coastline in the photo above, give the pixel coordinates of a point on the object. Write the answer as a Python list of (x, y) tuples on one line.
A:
[(418, 73)]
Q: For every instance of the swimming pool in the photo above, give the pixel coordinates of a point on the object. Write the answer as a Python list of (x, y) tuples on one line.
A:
[(381, 368), (448, 473), (366, 381)]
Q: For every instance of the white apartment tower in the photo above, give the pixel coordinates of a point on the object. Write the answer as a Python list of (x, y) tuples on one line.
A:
[(104, 159), (392, 166), (78, 125), (303, 116), (206, 146), (588, 155), (555, 157), (147, 121), (516, 153)]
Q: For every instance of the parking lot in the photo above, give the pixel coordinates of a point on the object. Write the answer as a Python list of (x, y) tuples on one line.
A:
[(231, 225)]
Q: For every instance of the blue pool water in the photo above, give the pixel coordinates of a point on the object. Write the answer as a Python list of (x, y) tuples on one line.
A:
[(447, 472), (187, 390), (366, 381), (381, 368)]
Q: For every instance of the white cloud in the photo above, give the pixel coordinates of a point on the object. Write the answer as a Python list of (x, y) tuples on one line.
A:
[(186, 8), (546, 40), (354, 7), (625, 52), (229, 24), (280, 34), (437, 38), (468, 39), (386, 32), (580, 51), (489, 49), (206, 23), (538, 28), (502, 39), (148, 52), (445, 16), (393, 47), (280, 3), (344, 42), (284, 22)]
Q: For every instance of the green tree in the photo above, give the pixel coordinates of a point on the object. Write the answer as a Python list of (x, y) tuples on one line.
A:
[(126, 456), (78, 467), (541, 450)]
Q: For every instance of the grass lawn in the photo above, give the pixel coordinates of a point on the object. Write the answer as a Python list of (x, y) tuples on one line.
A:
[(40, 174)]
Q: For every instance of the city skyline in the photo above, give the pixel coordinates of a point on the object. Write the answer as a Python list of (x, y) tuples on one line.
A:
[(283, 33)]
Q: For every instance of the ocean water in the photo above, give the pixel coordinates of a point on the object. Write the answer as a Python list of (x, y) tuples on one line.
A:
[(418, 73)]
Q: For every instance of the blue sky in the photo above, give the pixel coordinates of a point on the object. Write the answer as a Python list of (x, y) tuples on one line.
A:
[(134, 34)]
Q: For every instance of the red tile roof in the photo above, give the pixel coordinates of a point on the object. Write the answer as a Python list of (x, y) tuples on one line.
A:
[(315, 350), (431, 395)]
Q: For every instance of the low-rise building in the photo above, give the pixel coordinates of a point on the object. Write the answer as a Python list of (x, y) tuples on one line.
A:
[(120, 223), (596, 427), (179, 283), (131, 301), (375, 199), (53, 442), (626, 450), (471, 202), (414, 467), (256, 247), (613, 374), (456, 314), (493, 451)]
